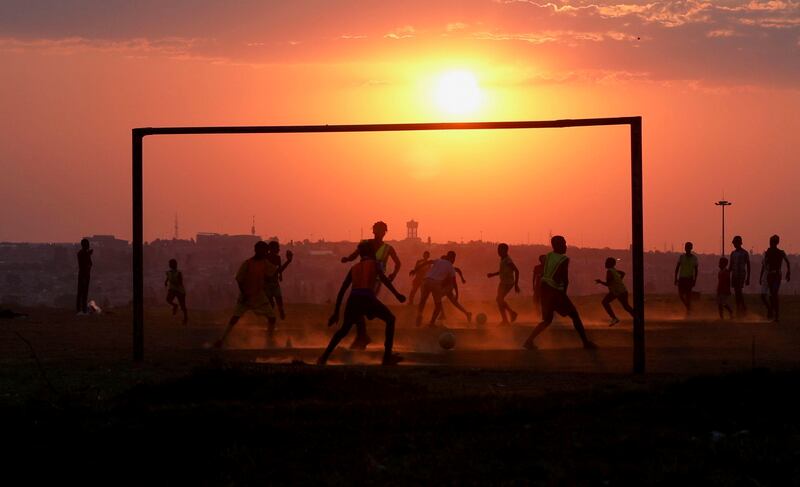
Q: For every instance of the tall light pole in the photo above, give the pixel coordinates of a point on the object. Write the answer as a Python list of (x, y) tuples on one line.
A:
[(723, 204)]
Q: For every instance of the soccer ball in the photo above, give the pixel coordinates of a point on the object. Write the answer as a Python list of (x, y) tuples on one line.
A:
[(447, 340), (480, 319)]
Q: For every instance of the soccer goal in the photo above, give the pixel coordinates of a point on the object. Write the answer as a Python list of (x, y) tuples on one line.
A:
[(637, 230)]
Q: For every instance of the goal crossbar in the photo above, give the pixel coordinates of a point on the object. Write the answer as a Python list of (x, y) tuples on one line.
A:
[(637, 214)]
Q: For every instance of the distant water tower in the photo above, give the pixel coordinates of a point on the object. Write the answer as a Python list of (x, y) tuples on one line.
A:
[(411, 230)]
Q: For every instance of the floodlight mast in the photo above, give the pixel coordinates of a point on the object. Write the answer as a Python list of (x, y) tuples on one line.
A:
[(637, 215)]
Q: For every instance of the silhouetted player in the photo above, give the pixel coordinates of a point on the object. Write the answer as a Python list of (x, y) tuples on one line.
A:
[(273, 285), (251, 278), (616, 290), (772, 267), (740, 274), (686, 276), (84, 276), (724, 288), (176, 290), (418, 276), (382, 252), (450, 291), (555, 281), (362, 303), (537, 284), (509, 279), (441, 271)]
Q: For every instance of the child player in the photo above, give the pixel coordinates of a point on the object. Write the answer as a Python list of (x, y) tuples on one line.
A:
[(555, 280), (273, 284), (251, 278), (176, 290), (509, 279), (616, 290), (363, 302), (724, 288)]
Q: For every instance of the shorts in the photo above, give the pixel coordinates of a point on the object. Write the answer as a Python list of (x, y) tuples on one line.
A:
[(556, 301), (273, 289), (365, 305), (436, 288), (685, 284), (259, 305), (723, 299), (504, 288)]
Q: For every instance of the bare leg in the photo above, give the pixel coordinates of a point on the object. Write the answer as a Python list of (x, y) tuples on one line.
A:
[(231, 323), (335, 339), (606, 302)]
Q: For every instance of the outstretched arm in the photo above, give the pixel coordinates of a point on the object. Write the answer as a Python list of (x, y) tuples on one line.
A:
[(289, 258), (608, 279), (351, 257), (677, 268), (339, 297), (419, 267), (492, 274), (388, 283), (461, 275)]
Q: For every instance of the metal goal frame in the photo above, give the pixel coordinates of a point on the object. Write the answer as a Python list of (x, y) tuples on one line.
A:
[(637, 217)]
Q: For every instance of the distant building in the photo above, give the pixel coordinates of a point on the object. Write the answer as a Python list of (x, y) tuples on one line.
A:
[(412, 228)]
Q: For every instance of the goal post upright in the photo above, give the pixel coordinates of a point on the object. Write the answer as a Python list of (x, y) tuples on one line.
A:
[(637, 225)]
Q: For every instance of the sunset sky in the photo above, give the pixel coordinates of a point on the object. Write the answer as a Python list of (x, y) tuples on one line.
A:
[(718, 86)]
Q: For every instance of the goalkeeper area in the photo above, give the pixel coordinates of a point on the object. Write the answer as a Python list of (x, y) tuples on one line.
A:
[(636, 211)]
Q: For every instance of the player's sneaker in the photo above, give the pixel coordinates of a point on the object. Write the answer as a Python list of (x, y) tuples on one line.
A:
[(529, 345), (514, 315), (469, 317), (589, 345), (614, 321)]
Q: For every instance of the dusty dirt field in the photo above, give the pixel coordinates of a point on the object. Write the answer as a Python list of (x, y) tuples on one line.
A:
[(717, 407)]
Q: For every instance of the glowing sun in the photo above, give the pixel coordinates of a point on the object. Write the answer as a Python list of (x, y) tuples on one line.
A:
[(458, 93)]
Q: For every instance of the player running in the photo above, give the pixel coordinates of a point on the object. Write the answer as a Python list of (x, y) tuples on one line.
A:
[(362, 303), (772, 267), (273, 285), (441, 271), (686, 276), (176, 290), (383, 252), (509, 279), (555, 281), (740, 274), (251, 278), (616, 290), (418, 276)]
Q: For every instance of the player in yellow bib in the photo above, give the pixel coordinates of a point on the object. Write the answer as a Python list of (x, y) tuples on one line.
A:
[(555, 280), (616, 290), (686, 276), (383, 253)]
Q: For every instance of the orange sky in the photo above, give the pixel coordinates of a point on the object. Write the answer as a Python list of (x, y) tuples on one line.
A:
[(716, 85)]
